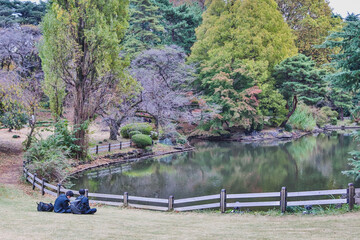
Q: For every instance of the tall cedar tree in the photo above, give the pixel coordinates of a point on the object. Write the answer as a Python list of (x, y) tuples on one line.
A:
[(311, 20), (81, 47), (239, 43), (299, 79), (342, 101), (145, 28), (347, 61), (179, 23), (21, 12)]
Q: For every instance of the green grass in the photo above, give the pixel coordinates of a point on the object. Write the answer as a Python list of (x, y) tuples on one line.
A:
[(20, 220)]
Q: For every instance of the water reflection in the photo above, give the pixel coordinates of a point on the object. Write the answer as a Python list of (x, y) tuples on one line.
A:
[(310, 163)]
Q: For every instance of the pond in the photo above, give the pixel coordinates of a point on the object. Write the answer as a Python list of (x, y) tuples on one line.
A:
[(309, 163)]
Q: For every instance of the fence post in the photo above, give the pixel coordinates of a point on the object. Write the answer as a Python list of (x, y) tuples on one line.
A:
[(126, 199), (43, 186), (130, 142), (283, 199), (223, 200), (171, 203), (120, 145), (97, 149), (86, 192), (109, 147), (351, 196), (33, 183), (58, 189), (26, 174)]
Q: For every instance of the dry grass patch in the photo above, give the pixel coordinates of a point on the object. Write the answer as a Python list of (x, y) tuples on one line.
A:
[(20, 220)]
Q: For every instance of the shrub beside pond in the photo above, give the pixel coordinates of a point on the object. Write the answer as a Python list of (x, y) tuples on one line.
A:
[(142, 140), (143, 128)]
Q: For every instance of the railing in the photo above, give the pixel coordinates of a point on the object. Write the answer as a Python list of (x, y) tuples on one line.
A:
[(109, 147), (223, 201)]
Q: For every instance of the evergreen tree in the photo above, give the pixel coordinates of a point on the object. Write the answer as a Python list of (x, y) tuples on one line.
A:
[(299, 79), (13, 12), (145, 28), (347, 61), (311, 21), (179, 23), (342, 101), (81, 46), (238, 44)]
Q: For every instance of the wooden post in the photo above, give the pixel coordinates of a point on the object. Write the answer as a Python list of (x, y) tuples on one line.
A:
[(351, 196), (223, 200), (86, 192), (120, 145), (109, 147), (171, 203), (34, 181), (43, 187), (97, 149), (126, 199), (283, 199), (342, 127), (130, 142), (58, 189), (26, 174)]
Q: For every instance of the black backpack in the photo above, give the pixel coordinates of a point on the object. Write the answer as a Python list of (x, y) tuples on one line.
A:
[(45, 207), (77, 207)]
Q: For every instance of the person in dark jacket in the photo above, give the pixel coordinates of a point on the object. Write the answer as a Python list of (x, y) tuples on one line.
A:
[(85, 203), (61, 204)]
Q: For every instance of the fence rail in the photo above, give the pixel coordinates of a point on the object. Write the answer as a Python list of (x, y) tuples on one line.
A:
[(110, 147), (280, 199)]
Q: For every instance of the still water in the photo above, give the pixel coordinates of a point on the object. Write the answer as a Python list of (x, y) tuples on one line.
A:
[(309, 163)]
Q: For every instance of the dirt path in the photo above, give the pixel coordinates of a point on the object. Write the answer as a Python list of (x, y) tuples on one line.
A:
[(10, 157)]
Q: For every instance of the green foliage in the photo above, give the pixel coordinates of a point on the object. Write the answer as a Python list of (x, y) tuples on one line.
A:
[(154, 135), (179, 23), (342, 100), (145, 28), (132, 133), (15, 136), (299, 76), (21, 12), (347, 61), (14, 117), (333, 121), (354, 161), (142, 140), (288, 128), (303, 118), (143, 128)]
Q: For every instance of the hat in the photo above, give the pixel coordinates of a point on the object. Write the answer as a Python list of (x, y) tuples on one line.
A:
[(69, 193), (82, 191)]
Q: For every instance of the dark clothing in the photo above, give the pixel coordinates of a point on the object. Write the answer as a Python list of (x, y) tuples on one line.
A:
[(61, 204), (85, 205)]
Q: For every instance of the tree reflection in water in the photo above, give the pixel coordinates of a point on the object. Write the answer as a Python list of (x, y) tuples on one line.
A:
[(310, 163)]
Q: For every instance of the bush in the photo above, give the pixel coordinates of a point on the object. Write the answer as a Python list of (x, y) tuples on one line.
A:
[(142, 140), (132, 133), (333, 121), (154, 135), (15, 136), (288, 128), (303, 118), (144, 128), (14, 119)]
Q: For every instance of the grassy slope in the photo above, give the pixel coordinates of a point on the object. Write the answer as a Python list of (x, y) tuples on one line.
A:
[(20, 220)]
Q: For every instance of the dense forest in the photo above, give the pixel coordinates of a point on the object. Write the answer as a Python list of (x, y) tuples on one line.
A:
[(208, 68)]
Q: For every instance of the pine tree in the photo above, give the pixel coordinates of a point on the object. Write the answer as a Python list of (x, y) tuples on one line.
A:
[(347, 61), (179, 23), (342, 101), (145, 28)]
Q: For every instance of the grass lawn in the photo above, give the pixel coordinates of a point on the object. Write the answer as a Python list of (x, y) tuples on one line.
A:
[(20, 220)]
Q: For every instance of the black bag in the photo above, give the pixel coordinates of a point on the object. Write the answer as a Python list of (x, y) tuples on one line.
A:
[(77, 207), (45, 207)]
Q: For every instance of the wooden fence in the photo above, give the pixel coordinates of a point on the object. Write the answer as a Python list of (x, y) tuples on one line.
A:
[(110, 147), (341, 127), (222, 201)]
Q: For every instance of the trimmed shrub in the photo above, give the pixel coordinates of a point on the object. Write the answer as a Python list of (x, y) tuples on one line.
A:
[(333, 121), (288, 128), (15, 136), (132, 133), (142, 140), (144, 128)]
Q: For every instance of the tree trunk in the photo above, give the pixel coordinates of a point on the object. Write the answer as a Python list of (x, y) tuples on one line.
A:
[(114, 129), (295, 101), (80, 117), (29, 137)]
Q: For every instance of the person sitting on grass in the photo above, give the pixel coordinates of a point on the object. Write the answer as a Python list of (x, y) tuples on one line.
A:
[(61, 204), (85, 207)]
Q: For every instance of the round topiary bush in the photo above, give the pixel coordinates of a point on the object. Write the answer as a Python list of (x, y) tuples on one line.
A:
[(132, 133), (144, 128), (333, 121), (142, 140)]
